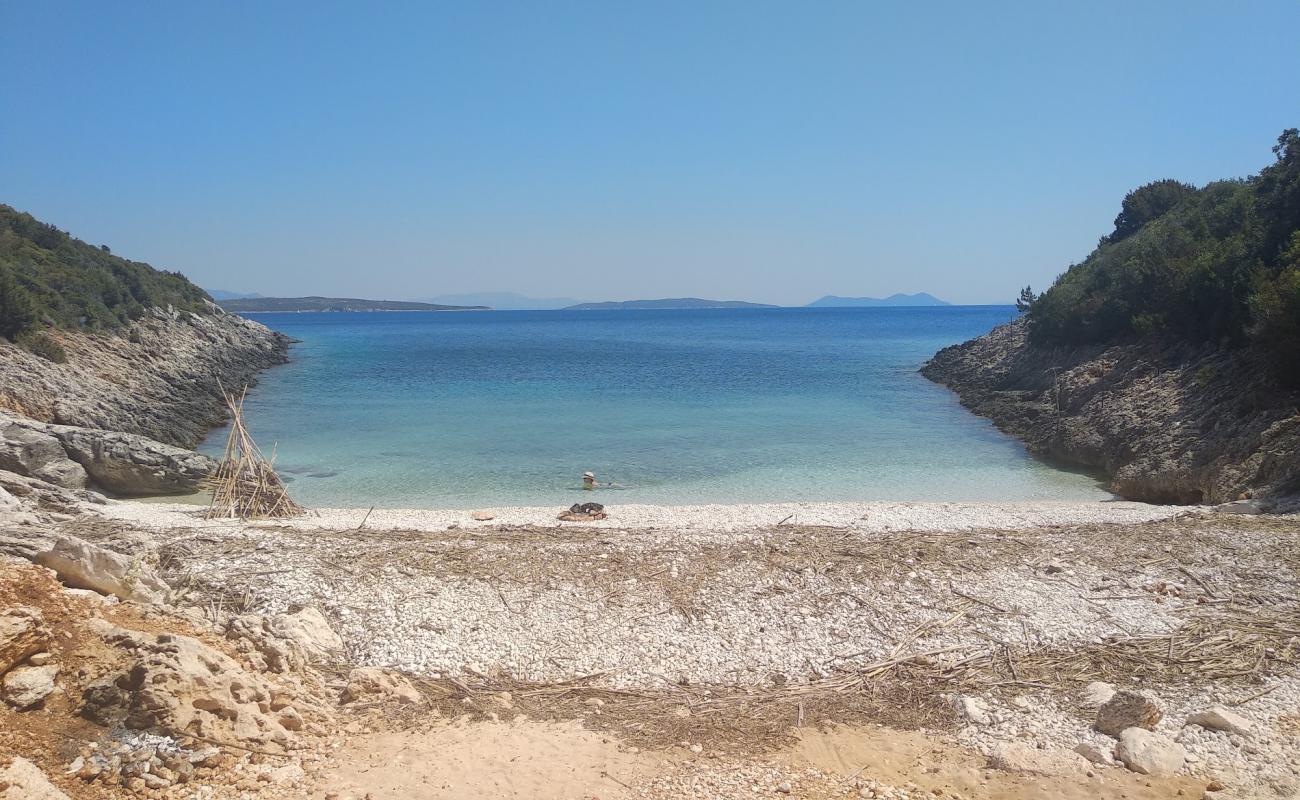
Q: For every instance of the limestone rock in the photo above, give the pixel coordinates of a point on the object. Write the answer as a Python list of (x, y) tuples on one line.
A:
[(35, 495), (1029, 760), (1136, 409), (263, 647), (1218, 718), (972, 709), (1150, 753), (37, 454), (1128, 709), (1096, 694), (1096, 753), (20, 779), (483, 516), (82, 565), (310, 630), (161, 378), (22, 634), (129, 464), (378, 685), (176, 685), (27, 687)]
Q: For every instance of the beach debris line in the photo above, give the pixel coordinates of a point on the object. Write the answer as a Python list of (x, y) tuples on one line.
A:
[(245, 485)]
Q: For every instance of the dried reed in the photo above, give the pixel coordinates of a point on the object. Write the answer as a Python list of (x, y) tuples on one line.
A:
[(245, 485)]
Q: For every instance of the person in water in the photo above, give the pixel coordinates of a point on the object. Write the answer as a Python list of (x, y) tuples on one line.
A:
[(589, 480)]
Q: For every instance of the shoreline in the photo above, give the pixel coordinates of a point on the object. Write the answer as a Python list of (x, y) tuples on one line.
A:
[(867, 516)]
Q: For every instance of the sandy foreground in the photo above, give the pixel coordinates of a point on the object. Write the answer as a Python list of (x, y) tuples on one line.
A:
[(815, 650)]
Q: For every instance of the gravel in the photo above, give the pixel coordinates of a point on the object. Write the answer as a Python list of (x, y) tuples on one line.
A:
[(733, 596)]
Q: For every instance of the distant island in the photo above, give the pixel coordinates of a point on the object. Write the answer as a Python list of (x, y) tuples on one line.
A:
[(678, 302), (267, 304), (505, 301), (918, 299), (222, 294)]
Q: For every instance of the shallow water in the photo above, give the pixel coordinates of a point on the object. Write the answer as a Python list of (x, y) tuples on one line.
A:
[(737, 405)]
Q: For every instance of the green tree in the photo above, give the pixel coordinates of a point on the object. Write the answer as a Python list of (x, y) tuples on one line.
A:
[(17, 310), (1147, 203), (1026, 299)]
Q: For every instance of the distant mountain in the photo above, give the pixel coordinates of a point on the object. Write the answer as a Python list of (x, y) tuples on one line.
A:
[(505, 301), (918, 299), (222, 294), (256, 304), (679, 302)]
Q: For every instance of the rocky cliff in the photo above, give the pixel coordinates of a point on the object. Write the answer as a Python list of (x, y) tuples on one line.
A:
[(1166, 422), (159, 378)]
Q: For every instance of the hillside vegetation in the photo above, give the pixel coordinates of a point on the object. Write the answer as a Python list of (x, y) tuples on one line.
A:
[(47, 277), (1219, 263)]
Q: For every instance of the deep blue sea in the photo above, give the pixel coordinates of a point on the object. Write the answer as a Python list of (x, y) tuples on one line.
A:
[(498, 408)]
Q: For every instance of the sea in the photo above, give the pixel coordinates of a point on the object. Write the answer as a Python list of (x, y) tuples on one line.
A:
[(501, 408)]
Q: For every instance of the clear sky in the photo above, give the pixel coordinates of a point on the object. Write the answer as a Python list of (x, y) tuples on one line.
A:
[(611, 150)]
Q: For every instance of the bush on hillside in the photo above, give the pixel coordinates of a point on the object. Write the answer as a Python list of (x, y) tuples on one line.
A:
[(41, 344), (1220, 264), (45, 273)]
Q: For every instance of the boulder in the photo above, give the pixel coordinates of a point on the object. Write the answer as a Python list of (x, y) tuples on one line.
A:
[(262, 647), (1218, 718), (1150, 753), (310, 630), (1128, 709), (27, 687), (36, 495), (20, 779), (129, 464), (373, 684), (22, 634), (178, 686), (38, 454), (1095, 694), (82, 565), (1029, 760)]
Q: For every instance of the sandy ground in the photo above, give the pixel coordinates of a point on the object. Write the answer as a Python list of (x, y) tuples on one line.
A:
[(550, 761)]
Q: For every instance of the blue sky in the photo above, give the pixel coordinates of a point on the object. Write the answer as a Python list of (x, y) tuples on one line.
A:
[(609, 150)]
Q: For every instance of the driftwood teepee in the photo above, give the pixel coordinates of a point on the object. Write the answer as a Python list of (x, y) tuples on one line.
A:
[(245, 484)]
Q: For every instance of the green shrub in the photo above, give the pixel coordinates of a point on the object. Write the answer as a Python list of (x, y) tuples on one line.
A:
[(42, 344), (1220, 264), (77, 285)]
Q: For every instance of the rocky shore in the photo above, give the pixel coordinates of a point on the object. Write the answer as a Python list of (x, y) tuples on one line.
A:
[(120, 414), (159, 378), (1167, 424)]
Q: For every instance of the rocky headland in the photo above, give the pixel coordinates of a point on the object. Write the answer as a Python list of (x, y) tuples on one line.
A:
[(1167, 422), (121, 412), (159, 378)]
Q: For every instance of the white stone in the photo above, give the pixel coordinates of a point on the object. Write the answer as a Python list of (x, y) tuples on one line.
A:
[(1029, 760), (1218, 718), (1150, 753), (23, 780), (1096, 753), (1095, 694), (973, 709), (311, 630), (25, 687), (84, 566)]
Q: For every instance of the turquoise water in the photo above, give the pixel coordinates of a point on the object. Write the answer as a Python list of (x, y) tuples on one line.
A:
[(744, 405)]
